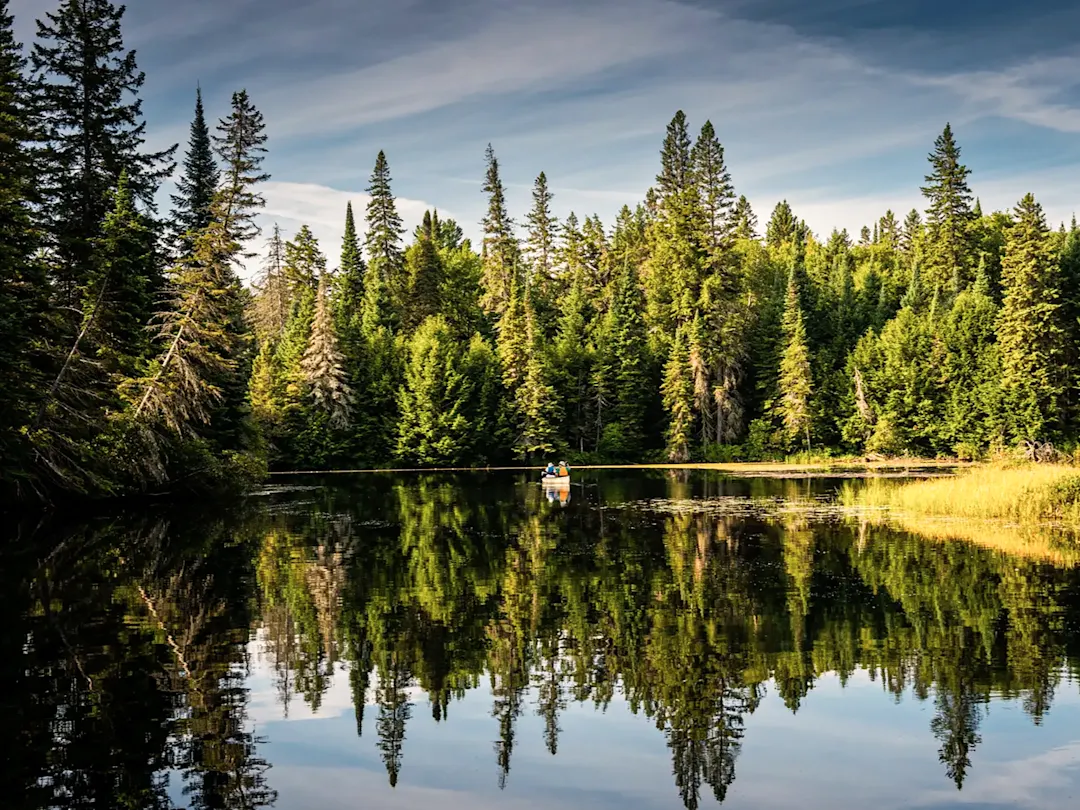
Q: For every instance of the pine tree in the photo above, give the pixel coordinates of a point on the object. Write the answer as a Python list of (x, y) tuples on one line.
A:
[(204, 362), (573, 363), (197, 184), (678, 394), (350, 278), (911, 234), (323, 363), (500, 248), (744, 221), (796, 383), (383, 240), (240, 144), (949, 215), (434, 398), (1029, 332), (622, 375), (86, 93), (272, 301), (304, 262), (783, 227), (24, 288), (127, 279), (537, 403), (426, 274), (714, 190), (542, 229)]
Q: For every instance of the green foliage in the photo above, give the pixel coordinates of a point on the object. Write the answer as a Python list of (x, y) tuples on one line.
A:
[(1029, 332), (196, 186)]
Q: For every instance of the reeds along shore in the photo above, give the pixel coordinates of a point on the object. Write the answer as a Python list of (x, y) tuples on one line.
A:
[(1028, 493)]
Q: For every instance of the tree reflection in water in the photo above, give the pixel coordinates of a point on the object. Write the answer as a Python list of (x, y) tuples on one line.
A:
[(125, 644)]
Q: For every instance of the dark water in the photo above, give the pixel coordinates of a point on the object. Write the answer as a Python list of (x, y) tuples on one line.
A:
[(470, 641)]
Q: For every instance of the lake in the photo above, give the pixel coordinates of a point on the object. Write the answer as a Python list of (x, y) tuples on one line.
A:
[(646, 639)]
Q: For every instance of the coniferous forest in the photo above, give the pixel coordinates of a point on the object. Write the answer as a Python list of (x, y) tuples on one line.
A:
[(133, 359)]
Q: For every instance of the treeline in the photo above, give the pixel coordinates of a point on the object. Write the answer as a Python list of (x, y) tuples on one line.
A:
[(133, 359), (678, 334)]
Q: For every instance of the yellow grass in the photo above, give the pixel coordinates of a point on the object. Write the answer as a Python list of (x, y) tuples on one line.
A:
[(1026, 493), (1036, 543)]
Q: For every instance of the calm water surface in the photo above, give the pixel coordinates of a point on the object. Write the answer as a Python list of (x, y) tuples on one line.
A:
[(655, 640)]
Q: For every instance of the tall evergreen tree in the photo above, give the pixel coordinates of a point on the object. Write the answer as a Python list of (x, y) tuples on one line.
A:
[(537, 403), (715, 192), (500, 248), (304, 262), (434, 398), (796, 382), (678, 394), (623, 377), (543, 227), (204, 362), (782, 226), (383, 240), (350, 277), (323, 363), (272, 301), (949, 215), (1029, 332), (196, 186), (24, 288), (125, 284), (424, 267), (240, 144), (87, 95), (744, 221)]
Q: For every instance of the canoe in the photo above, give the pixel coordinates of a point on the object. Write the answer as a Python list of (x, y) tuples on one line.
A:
[(555, 480)]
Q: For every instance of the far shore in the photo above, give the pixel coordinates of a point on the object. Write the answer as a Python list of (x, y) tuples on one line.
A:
[(839, 467)]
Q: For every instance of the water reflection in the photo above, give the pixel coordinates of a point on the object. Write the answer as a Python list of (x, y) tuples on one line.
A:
[(129, 647)]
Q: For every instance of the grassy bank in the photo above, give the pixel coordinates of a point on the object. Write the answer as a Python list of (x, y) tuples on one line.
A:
[(1019, 493)]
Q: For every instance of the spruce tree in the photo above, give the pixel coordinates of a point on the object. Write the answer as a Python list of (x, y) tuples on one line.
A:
[(196, 186), (573, 363), (678, 393), (24, 289), (269, 309), (744, 221), (203, 365), (543, 227), (783, 227), (1029, 331), (304, 262), (911, 233), (383, 240), (435, 398), (795, 380), (714, 190), (623, 377), (323, 363), (500, 247), (426, 274), (123, 289), (537, 403), (949, 215), (86, 89), (349, 296), (240, 145)]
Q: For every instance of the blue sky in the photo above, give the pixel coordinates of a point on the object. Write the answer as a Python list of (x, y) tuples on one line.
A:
[(832, 105)]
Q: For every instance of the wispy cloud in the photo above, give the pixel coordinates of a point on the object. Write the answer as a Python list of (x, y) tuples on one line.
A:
[(322, 209)]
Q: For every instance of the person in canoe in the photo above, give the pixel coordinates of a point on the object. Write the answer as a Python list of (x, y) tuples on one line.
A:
[(564, 468), (550, 470)]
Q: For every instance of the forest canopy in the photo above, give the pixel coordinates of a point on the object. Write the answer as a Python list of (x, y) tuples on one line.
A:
[(134, 359)]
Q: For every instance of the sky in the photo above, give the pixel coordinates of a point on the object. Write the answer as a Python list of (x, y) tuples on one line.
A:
[(832, 105)]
